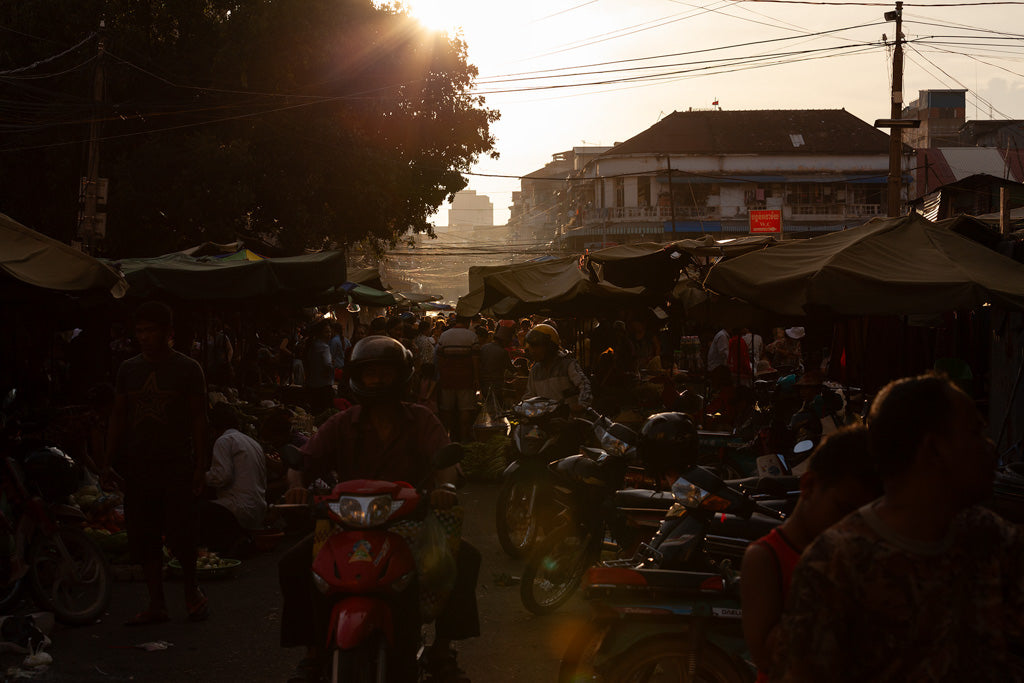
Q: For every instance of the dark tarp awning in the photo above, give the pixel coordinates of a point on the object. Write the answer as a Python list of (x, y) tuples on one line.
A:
[(42, 261), (657, 265), (553, 286), (895, 266), (302, 279)]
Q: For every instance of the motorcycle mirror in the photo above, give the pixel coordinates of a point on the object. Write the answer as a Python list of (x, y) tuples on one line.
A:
[(803, 447), (450, 455)]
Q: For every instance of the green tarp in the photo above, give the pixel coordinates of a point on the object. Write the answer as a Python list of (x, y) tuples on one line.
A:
[(42, 261), (312, 278), (898, 266), (551, 286)]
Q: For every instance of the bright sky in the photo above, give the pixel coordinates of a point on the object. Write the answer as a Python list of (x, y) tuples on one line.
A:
[(975, 46)]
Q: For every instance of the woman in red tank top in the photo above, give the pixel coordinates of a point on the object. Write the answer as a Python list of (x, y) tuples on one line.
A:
[(839, 480)]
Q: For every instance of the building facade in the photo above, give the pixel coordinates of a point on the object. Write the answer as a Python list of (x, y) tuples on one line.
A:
[(703, 172), (470, 210)]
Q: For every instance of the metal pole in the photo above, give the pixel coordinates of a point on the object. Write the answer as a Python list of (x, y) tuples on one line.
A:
[(92, 172), (895, 185)]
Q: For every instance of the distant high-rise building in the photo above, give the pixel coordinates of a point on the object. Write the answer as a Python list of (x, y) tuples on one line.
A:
[(470, 210)]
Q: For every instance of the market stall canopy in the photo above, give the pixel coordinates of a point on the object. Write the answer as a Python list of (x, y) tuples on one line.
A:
[(42, 261), (297, 278), (367, 276), (555, 286), (893, 266), (657, 265), (416, 297)]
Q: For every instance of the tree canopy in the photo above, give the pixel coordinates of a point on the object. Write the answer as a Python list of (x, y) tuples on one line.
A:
[(320, 122)]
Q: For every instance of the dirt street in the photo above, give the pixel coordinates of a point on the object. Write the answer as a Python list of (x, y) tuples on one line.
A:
[(240, 640)]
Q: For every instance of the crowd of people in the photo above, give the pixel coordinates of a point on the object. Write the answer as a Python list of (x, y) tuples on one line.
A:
[(886, 520)]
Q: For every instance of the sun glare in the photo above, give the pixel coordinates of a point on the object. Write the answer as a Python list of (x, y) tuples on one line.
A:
[(433, 14)]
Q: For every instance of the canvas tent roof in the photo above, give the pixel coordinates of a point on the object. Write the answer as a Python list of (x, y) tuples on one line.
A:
[(906, 265), (555, 285), (299, 278), (658, 264), (42, 261)]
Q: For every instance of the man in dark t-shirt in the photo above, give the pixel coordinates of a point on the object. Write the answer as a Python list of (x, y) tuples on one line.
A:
[(383, 438), (158, 436)]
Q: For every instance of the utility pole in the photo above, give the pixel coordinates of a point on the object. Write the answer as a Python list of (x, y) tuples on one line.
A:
[(671, 193), (89, 226), (895, 185)]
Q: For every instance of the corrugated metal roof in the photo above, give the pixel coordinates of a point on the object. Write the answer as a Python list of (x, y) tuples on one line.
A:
[(968, 161), (799, 131)]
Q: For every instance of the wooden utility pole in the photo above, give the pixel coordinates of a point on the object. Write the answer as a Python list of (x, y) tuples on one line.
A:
[(671, 192), (895, 185), (1004, 211), (89, 222)]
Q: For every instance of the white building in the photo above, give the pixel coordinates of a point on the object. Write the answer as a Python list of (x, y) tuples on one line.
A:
[(470, 210), (702, 172)]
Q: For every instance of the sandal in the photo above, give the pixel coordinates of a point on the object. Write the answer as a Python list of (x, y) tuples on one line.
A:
[(199, 610), (148, 617)]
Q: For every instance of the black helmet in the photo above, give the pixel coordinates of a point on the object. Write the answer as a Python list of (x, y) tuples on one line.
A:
[(668, 441), (380, 349), (54, 473)]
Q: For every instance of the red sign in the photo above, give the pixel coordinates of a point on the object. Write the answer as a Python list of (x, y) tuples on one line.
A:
[(766, 222)]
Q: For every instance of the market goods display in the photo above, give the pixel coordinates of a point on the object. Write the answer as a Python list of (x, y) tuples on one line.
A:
[(208, 565)]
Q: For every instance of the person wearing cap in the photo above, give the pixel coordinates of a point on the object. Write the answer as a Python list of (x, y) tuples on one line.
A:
[(786, 354), (457, 357), (764, 370), (555, 374)]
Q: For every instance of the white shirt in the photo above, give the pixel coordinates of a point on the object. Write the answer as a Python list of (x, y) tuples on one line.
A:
[(239, 473), (718, 351), (755, 345)]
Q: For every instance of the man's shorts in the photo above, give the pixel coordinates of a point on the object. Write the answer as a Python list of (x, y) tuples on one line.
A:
[(157, 509), (456, 400)]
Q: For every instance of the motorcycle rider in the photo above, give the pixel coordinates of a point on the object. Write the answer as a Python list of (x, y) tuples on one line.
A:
[(554, 373), (389, 439)]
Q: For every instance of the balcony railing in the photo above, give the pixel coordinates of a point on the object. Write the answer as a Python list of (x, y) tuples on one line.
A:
[(617, 214)]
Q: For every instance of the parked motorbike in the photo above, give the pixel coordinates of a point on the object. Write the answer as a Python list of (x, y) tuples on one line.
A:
[(672, 613), (522, 512), (48, 555), (712, 520), (583, 488), (655, 625), (365, 567)]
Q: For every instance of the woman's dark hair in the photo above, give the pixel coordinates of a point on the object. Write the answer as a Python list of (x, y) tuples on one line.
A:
[(155, 312), (904, 412), (425, 326), (845, 455)]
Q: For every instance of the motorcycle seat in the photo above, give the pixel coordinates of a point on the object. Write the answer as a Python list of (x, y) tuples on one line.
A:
[(644, 499), (736, 527), (778, 486)]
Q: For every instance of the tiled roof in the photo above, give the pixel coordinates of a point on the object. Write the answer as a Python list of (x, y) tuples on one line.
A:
[(795, 131)]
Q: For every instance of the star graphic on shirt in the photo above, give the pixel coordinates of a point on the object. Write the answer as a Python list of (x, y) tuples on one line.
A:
[(150, 401)]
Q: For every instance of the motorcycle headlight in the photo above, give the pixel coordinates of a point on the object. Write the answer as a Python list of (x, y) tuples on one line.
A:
[(361, 511)]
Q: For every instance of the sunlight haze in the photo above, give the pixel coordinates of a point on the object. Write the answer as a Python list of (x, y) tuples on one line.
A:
[(527, 52)]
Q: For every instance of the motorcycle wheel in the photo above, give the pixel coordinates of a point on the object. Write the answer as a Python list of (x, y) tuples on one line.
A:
[(362, 665), (75, 588), (553, 572), (665, 660), (515, 516)]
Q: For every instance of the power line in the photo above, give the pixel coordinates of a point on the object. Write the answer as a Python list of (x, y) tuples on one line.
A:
[(681, 54), (47, 60)]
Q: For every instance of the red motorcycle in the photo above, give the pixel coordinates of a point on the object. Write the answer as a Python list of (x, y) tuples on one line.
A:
[(365, 563)]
